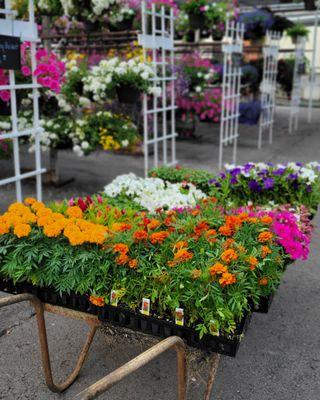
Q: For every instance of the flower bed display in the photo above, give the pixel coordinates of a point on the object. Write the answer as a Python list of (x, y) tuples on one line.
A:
[(196, 263)]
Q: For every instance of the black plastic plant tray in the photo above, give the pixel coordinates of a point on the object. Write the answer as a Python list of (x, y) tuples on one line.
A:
[(158, 327), (264, 304), (130, 319)]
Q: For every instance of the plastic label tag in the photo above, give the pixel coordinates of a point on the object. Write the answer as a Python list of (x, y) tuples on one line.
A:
[(179, 316), (145, 307), (114, 298)]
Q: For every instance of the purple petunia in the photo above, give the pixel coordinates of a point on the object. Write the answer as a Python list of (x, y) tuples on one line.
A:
[(254, 186), (268, 183), (279, 172)]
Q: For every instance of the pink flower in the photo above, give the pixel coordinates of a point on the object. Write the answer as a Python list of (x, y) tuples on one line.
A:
[(26, 71)]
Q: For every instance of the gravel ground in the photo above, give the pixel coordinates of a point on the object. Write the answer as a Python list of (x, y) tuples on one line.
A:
[(279, 358)]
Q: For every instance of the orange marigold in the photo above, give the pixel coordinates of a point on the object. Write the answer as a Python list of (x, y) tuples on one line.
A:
[(265, 236), (158, 237), (153, 224), (201, 227), (265, 250), (226, 230), (29, 201), (266, 220), (218, 269), (74, 212), (140, 235), (211, 235), (229, 255), (4, 228), (183, 255), (253, 262), (22, 230), (263, 281), (181, 245), (97, 301), (121, 248), (227, 279), (121, 227), (122, 259), (133, 264), (75, 238)]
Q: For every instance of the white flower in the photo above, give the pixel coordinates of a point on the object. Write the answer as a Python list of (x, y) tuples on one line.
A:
[(198, 89), (85, 145), (125, 143)]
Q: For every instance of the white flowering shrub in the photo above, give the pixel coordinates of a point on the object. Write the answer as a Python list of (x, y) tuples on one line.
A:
[(154, 193)]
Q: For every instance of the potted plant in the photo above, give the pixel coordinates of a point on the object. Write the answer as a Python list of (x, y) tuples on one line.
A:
[(298, 30), (121, 18), (256, 25), (196, 10), (216, 15), (51, 8), (127, 79)]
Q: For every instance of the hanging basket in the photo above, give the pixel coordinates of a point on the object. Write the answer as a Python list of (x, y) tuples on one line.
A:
[(125, 25), (128, 94), (196, 21), (217, 36)]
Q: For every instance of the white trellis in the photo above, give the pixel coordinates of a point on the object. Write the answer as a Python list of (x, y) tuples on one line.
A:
[(269, 85), (313, 69), (157, 40), (231, 85), (299, 69), (26, 31)]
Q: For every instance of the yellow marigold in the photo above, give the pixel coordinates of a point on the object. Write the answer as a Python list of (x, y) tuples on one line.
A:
[(4, 228), (18, 208), (227, 279), (52, 230), (196, 273), (229, 255), (22, 230), (265, 236), (74, 212), (29, 201), (218, 269)]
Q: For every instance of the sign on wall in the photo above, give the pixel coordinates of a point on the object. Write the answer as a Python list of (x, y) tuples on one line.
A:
[(10, 52)]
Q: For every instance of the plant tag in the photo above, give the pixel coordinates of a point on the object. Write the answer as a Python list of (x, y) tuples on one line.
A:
[(114, 298), (145, 306), (179, 316)]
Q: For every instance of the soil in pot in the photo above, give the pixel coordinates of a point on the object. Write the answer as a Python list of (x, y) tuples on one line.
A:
[(128, 94)]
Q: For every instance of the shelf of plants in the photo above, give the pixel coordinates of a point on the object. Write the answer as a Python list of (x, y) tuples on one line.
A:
[(182, 258)]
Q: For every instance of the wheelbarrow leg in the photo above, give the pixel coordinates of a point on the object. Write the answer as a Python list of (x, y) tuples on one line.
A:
[(44, 348), (214, 364)]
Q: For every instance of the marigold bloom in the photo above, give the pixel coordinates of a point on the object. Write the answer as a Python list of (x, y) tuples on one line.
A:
[(140, 235), (122, 259), (227, 279), (97, 301), (226, 230), (121, 248), (211, 235), (153, 224), (265, 250), (4, 228), (133, 264), (229, 255), (266, 220), (182, 255), (22, 230), (158, 237), (29, 201), (38, 205), (228, 243), (74, 212), (75, 238), (201, 227), (265, 236), (121, 227), (253, 262), (52, 230), (196, 273), (252, 220), (195, 212), (181, 245), (263, 281), (44, 212), (218, 269)]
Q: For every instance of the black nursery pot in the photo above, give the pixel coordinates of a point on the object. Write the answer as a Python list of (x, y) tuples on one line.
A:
[(5, 109), (128, 94), (196, 21)]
